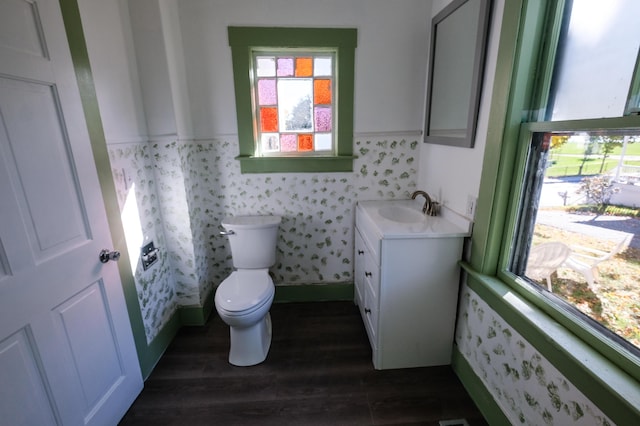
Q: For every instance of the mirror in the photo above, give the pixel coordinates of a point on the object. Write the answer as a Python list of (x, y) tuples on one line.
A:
[(456, 64)]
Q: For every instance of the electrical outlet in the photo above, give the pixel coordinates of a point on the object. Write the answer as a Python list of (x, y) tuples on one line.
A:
[(471, 206)]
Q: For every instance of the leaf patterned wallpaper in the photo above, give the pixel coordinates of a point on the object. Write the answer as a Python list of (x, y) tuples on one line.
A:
[(527, 387), (185, 189)]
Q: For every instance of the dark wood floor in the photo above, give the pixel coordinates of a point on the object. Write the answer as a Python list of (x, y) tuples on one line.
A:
[(318, 372)]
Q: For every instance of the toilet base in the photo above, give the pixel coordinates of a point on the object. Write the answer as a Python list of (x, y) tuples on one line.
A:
[(250, 345)]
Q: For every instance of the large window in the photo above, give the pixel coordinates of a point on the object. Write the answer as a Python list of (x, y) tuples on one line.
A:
[(575, 229), (294, 98), (578, 239)]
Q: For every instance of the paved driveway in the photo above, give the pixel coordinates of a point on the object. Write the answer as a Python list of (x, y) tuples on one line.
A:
[(614, 228)]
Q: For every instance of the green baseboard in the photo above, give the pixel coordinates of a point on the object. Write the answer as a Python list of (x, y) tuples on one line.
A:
[(150, 356), (197, 315), (476, 389), (314, 293)]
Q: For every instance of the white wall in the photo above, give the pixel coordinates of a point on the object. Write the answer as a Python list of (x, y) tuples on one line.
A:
[(453, 174), (391, 56), (114, 67)]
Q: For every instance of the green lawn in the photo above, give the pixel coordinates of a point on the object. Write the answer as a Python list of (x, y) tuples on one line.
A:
[(570, 165), (568, 160), (578, 149)]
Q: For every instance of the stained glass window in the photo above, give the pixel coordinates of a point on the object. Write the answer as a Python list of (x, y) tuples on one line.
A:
[(293, 102)]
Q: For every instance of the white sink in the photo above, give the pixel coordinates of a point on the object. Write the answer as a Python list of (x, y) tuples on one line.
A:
[(404, 219), (401, 214)]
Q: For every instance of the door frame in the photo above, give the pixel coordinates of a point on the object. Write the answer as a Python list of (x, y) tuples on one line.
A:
[(148, 354)]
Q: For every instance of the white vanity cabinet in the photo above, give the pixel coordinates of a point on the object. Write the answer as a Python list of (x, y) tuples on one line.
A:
[(406, 287)]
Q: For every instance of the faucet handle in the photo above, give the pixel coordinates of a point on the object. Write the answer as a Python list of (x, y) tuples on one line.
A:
[(434, 208)]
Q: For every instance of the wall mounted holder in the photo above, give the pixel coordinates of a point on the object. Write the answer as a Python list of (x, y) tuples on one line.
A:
[(149, 255)]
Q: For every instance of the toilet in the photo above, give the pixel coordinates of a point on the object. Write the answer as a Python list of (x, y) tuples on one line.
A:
[(244, 298)]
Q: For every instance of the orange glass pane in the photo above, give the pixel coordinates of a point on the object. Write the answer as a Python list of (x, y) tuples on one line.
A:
[(321, 91), (305, 142), (269, 119), (304, 67)]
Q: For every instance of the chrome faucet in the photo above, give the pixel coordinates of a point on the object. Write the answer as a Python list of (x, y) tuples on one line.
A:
[(430, 207)]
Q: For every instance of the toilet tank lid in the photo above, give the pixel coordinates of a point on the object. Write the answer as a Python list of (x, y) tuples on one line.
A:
[(251, 222)]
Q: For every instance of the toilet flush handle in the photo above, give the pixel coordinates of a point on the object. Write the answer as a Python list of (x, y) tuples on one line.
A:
[(229, 232)]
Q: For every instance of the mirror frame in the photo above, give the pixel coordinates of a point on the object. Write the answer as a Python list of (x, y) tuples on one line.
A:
[(480, 42)]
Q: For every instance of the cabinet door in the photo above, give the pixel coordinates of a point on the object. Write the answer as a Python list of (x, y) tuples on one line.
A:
[(371, 299), (359, 260)]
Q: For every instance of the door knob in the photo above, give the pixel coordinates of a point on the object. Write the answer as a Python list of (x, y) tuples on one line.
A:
[(107, 255)]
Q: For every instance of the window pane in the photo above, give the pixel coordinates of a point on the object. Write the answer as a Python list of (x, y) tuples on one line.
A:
[(265, 66), (268, 119), (285, 67), (270, 142), (323, 141), (266, 91), (322, 67), (294, 102), (322, 91), (578, 236), (597, 61), (305, 142), (288, 142), (304, 67), (323, 119)]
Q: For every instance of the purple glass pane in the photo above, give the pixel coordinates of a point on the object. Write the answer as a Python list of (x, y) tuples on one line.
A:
[(288, 142), (266, 91), (323, 119), (285, 67)]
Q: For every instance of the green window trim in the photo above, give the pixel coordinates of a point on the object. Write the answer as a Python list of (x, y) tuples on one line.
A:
[(518, 96), (242, 40), (609, 388), (633, 99)]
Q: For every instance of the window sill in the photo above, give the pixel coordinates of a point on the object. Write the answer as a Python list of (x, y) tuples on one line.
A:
[(613, 390), (341, 163)]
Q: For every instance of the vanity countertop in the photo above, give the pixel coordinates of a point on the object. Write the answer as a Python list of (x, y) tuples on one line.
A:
[(447, 225)]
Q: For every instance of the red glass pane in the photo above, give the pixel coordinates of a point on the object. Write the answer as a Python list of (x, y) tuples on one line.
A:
[(269, 119), (305, 142), (304, 67), (321, 92)]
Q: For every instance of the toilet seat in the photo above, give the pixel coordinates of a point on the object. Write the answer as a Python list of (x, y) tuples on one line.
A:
[(245, 291)]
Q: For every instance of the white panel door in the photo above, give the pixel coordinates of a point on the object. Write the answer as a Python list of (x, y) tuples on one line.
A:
[(67, 354)]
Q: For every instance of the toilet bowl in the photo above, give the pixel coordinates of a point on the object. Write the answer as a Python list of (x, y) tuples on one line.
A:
[(243, 301), (244, 298)]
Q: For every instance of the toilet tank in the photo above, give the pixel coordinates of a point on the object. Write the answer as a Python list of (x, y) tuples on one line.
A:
[(253, 240)]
